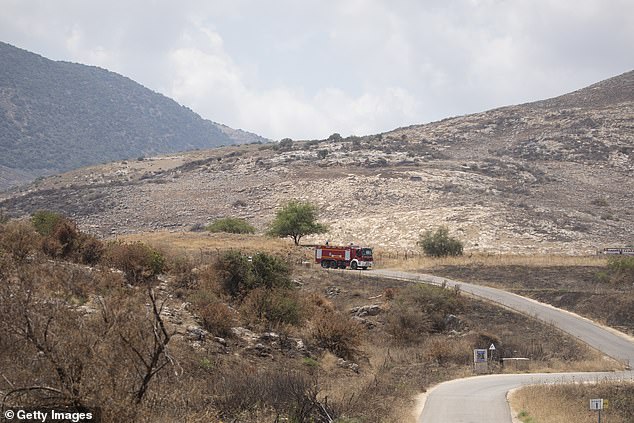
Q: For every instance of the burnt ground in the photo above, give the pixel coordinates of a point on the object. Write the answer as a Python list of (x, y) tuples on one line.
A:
[(580, 289)]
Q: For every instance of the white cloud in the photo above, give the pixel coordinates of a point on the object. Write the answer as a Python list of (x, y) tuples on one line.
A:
[(308, 69)]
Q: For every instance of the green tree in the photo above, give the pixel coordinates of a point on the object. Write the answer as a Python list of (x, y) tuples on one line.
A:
[(439, 243), (295, 220)]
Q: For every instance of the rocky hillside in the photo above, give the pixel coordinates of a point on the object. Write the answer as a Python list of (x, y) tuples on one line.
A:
[(550, 176), (57, 116)]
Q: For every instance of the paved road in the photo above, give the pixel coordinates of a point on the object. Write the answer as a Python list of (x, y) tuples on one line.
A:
[(483, 398)]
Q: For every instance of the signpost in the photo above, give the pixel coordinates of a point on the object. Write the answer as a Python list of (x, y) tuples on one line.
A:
[(480, 360), (597, 405)]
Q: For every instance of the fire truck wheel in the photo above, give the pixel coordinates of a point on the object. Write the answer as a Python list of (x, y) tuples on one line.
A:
[(364, 268), (324, 264), (353, 265), (333, 264)]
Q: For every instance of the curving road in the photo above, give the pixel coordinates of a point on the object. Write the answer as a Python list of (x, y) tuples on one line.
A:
[(483, 398)]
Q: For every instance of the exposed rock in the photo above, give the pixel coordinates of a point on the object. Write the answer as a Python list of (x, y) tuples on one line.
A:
[(348, 365), (365, 322), (245, 335), (366, 310), (196, 333)]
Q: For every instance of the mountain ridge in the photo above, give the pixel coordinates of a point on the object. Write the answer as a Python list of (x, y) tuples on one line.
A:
[(56, 116)]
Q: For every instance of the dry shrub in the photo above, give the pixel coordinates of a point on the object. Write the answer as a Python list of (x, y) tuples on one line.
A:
[(421, 309), (389, 293), (19, 239), (181, 270), (337, 333), (139, 262), (63, 240), (444, 351), (91, 250), (272, 307), (217, 318), (55, 354), (288, 395), (407, 325), (315, 304)]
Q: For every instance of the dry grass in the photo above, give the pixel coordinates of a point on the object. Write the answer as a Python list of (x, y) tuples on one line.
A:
[(204, 246), (570, 403)]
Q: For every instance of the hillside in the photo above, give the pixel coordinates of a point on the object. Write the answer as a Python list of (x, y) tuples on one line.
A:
[(57, 116), (547, 177)]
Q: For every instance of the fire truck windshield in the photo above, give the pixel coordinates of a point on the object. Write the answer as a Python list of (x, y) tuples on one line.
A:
[(367, 252)]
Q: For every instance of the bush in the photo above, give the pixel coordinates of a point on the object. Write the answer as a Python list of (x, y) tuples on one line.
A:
[(18, 239), (276, 307), (233, 272), (237, 275), (621, 270), (337, 333), (217, 318), (231, 225), (62, 240), (91, 250), (45, 221), (139, 262), (440, 244), (420, 310), (182, 271), (270, 272), (285, 144)]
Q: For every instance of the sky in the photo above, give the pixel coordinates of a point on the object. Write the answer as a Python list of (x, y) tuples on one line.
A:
[(306, 69)]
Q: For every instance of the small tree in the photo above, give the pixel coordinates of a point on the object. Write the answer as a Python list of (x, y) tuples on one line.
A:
[(295, 220), (439, 243)]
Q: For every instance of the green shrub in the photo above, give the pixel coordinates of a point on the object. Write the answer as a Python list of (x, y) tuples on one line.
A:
[(238, 275), (440, 244), (231, 225), (621, 270), (44, 221), (270, 272), (278, 306), (234, 272)]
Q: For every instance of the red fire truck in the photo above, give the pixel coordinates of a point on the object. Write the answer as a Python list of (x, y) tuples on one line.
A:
[(335, 257)]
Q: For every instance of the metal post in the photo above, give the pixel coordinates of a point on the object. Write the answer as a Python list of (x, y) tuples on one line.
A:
[(599, 416)]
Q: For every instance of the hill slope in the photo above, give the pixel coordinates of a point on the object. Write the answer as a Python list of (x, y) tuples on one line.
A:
[(550, 176), (57, 116)]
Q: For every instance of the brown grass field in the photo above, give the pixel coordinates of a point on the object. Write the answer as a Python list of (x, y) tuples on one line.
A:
[(570, 403)]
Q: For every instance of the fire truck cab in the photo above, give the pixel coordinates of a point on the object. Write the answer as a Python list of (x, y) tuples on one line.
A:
[(340, 257)]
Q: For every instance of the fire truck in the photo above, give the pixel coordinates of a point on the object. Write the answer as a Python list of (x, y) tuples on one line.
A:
[(335, 257)]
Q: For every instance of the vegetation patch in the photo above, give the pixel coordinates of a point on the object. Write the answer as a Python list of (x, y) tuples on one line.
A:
[(232, 225)]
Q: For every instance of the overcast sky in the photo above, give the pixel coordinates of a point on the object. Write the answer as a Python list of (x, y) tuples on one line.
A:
[(306, 69)]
